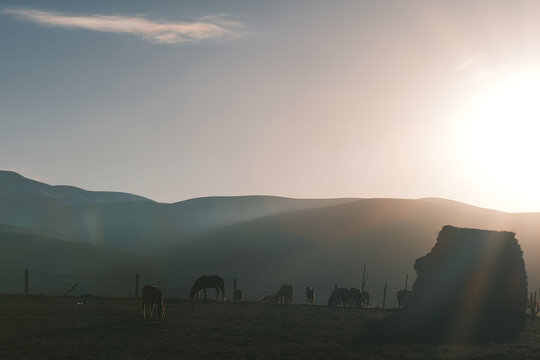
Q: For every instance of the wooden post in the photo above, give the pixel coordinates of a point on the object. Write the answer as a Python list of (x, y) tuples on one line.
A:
[(234, 290), (384, 297), (26, 281), (364, 278), (406, 281), (137, 285)]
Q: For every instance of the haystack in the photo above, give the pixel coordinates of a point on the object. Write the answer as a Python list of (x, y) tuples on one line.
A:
[(472, 283)]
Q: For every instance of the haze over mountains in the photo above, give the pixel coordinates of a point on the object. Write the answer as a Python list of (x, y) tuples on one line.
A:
[(69, 230)]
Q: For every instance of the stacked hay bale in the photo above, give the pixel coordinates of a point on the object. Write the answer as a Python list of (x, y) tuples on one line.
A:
[(472, 283)]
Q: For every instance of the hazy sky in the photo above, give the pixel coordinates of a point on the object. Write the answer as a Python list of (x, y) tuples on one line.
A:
[(174, 100)]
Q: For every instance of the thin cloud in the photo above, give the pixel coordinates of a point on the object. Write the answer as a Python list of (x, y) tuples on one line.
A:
[(208, 27)]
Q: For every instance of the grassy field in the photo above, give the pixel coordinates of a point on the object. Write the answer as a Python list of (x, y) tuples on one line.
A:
[(46, 327)]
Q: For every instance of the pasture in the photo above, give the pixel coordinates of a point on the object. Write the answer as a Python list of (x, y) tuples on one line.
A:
[(43, 327)]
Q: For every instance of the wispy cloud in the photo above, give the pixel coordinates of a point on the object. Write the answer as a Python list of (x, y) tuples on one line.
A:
[(209, 27)]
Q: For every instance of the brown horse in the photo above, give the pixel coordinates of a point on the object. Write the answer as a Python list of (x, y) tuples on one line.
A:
[(310, 294), (285, 294), (207, 282), (152, 296)]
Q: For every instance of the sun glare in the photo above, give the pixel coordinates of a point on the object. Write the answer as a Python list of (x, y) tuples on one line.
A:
[(500, 134)]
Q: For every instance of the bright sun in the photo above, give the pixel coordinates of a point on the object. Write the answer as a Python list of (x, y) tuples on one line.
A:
[(501, 134)]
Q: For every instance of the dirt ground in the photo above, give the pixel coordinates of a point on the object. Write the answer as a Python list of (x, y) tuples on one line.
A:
[(46, 327)]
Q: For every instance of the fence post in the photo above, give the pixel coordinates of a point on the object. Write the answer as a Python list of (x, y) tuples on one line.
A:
[(234, 290), (406, 280), (25, 281), (384, 297), (364, 278), (137, 285)]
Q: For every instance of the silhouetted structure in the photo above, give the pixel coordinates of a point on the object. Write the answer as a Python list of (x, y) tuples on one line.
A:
[(285, 294), (206, 282), (472, 284), (310, 294), (152, 296)]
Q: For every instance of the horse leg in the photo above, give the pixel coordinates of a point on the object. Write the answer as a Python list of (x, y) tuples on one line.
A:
[(205, 295), (217, 294)]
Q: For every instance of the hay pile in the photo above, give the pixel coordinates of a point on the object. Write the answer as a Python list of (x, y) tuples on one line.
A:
[(472, 284)]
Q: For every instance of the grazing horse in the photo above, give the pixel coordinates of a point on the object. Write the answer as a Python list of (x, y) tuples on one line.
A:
[(402, 297), (285, 294), (356, 297), (207, 282), (310, 293), (343, 296), (152, 296)]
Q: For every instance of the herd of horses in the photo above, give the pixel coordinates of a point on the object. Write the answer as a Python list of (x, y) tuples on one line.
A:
[(353, 297), (152, 296)]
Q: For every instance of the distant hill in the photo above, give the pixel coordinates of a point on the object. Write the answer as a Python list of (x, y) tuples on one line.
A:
[(332, 243), (249, 237), (15, 186), (23, 248), (124, 220)]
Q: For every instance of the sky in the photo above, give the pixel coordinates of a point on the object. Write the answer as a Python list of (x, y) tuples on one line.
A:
[(309, 99)]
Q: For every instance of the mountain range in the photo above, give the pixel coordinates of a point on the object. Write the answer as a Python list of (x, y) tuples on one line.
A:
[(65, 229)]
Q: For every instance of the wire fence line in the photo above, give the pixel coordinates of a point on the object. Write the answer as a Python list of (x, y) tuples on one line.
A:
[(21, 281)]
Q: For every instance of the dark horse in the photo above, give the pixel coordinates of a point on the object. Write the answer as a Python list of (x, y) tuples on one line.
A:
[(285, 294), (207, 282), (152, 296)]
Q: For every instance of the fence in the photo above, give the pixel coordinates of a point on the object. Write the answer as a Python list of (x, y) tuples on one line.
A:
[(24, 281)]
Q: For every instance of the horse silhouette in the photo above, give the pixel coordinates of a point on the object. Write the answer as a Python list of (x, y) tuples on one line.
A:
[(402, 297), (152, 296), (310, 294), (356, 297), (285, 294), (207, 282), (339, 297)]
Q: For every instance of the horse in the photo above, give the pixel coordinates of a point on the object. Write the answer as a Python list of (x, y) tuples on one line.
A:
[(310, 293), (356, 297), (402, 297), (343, 296), (339, 297), (207, 282), (285, 294), (152, 296)]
